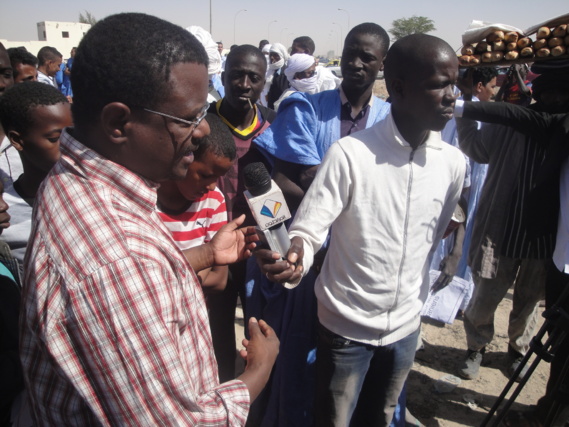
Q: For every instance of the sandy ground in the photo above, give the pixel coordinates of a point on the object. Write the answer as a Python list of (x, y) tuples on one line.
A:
[(444, 350)]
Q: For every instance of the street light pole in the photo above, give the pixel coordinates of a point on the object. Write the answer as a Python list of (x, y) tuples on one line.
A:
[(235, 22), (269, 30), (347, 13)]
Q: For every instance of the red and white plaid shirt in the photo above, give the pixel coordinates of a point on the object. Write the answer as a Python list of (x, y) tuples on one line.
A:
[(114, 328)]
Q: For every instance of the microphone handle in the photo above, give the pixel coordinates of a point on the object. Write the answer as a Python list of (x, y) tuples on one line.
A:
[(276, 238)]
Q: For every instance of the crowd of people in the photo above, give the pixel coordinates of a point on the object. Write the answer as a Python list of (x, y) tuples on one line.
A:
[(127, 238)]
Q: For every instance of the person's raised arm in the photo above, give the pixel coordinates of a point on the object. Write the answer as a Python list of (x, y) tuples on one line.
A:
[(230, 244), (522, 118), (214, 279)]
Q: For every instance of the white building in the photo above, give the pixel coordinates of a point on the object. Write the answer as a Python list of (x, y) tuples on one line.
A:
[(61, 35)]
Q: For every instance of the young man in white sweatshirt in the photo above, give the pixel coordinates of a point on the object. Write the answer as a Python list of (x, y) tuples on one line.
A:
[(387, 194)]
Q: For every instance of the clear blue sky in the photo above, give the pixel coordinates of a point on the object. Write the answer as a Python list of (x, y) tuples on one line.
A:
[(314, 18)]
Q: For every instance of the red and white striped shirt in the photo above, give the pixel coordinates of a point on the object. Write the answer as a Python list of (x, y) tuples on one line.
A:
[(199, 223), (114, 328)]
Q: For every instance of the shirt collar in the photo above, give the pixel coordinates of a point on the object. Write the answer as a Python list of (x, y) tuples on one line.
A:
[(79, 159), (433, 139), (344, 99)]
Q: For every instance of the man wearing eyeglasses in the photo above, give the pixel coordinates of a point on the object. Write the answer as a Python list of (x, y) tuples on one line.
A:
[(114, 327)]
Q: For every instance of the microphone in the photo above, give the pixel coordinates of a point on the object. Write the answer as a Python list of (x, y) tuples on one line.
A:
[(268, 206)]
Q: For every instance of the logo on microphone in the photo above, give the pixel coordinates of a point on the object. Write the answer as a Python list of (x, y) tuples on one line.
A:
[(271, 208)]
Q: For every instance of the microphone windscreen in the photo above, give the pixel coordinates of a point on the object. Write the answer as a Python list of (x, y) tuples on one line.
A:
[(257, 179)]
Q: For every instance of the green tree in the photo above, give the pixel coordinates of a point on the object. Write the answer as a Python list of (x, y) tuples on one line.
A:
[(87, 18), (416, 24)]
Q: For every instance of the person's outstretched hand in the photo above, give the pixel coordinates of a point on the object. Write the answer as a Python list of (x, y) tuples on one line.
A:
[(231, 243)]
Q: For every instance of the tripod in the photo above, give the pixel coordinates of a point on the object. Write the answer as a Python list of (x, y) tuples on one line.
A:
[(557, 322)]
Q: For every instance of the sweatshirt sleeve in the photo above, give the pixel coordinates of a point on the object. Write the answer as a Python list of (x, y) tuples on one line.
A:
[(522, 118), (324, 201)]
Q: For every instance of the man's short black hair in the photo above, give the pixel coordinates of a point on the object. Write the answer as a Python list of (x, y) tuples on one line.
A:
[(20, 55), (241, 51), (306, 43), (369, 28), (48, 53), (18, 102), (483, 75), (263, 43), (127, 58), (412, 54), (220, 140)]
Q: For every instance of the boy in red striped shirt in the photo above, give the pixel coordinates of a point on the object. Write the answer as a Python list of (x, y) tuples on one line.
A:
[(194, 209)]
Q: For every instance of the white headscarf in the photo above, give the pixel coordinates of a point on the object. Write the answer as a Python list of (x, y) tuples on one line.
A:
[(266, 49), (280, 50), (298, 63), (210, 46)]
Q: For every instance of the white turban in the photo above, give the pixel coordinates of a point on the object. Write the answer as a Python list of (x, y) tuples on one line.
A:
[(210, 46), (280, 50), (266, 48), (298, 63)]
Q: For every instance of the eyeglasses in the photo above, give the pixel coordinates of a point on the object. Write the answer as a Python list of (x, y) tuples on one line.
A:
[(193, 123)]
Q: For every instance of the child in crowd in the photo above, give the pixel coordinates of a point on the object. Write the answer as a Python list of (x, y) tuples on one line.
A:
[(194, 209), (33, 116)]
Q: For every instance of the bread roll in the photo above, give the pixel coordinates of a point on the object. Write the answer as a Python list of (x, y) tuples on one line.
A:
[(543, 52), (464, 59), (474, 60), (486, 57), (496, 36), (499, 46), (511, 55), (543, 32), (555, 41), (482, 47), (511, 37), (558, 50), (526, 51), (511, 46), (559, 31), (524, 42), (467, 50), (497, 56), (539, 43)]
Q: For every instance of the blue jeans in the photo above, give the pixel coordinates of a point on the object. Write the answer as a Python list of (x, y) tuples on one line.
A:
[(359, 384)]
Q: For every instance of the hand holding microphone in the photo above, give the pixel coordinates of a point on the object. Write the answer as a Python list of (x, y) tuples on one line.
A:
[(269, 208)]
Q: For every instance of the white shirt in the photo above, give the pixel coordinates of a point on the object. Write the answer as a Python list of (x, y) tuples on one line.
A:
[(387, 206), (44, 78)]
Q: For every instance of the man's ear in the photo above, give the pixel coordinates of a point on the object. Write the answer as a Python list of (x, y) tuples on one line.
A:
[(478, 87), (397, 88), (382, 64), (115, 118), (16, 140)]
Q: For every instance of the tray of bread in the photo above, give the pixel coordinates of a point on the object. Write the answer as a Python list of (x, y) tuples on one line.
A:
[(488, 44)]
